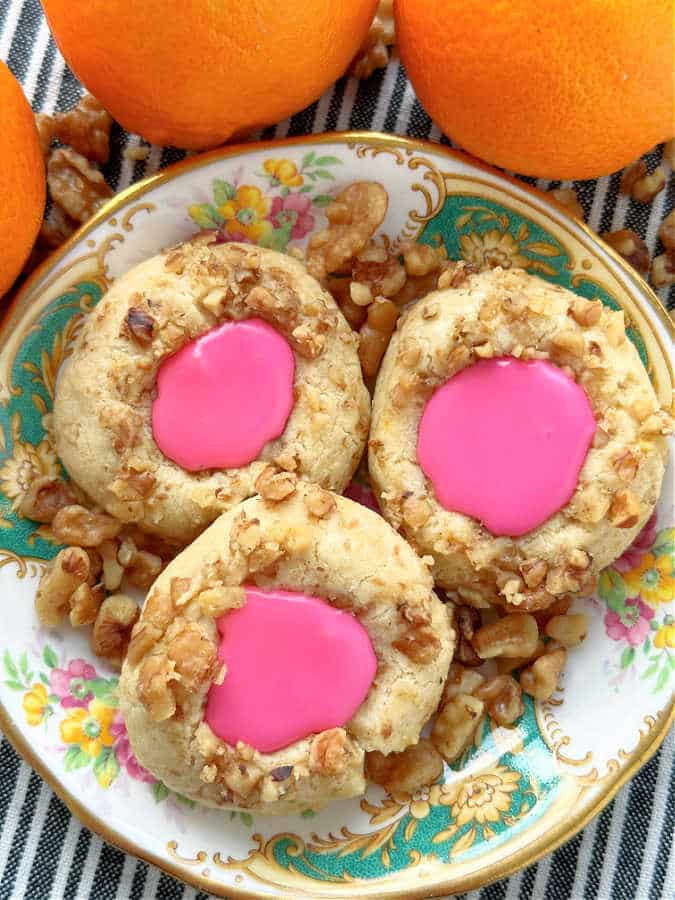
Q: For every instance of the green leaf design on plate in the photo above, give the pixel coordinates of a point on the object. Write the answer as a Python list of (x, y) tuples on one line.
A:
[(10, 668), (160, 791), (612, 589), (664, 543), (322, 199), (328, 161), (308, 159), (308, 814), (324, 173), (627, 657), (50, 658), (647, 646), (105, 690), (15, 685), (43, 678), (662, 680), (246, 818), (285, 191), (222, 191), (23, 666), (106, 767), (75, 759), (205, 215)]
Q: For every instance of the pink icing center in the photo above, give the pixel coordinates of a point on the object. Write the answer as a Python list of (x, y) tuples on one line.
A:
[(295, 666), (223, 396), (503, 442)]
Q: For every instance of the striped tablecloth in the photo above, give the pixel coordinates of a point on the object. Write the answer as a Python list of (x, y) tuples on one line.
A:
[(627, 853)]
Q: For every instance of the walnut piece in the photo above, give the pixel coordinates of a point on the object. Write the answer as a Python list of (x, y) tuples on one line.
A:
[(45, 497), (112, 629), (645, 189), (663, 270), (569, 630), (541, 678), (85, 128), (328, 753), (423, 259), (625, 509), (69, 570), (374, 52), (515, 634), (456, 725), (460, 680), (353, 218), (503, 699), (420, 645), (629, 245), (568, 198), (75, 185), (275, 486), (139, 325), (85, 603), (378, 271), (154, 690), (407, 771), (631, 174), (45, 129), (454, 275), (667, 231), (375, 333), (319, 503), (83, 528)]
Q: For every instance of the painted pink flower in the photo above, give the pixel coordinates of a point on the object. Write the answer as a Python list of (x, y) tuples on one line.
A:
[(124, 753), (294, 210), (633, 625), (642, 543), (69, 684), (362, 494)]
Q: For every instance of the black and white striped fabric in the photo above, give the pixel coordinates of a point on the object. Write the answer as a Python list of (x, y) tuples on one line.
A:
[(627, 853)]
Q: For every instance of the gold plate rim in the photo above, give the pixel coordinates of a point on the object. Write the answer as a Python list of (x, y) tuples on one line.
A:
[(13, 311)]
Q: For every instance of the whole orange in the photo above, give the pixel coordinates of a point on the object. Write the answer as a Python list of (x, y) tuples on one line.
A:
[(195, 72), (22, 179), (552, 88)]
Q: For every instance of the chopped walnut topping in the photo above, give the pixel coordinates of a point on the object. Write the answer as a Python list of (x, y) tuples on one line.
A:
[(154, 690), (112, 629), (382, 278), (625, 510), (193, 654), (143, 569), (354, 217), (569, 342), (319, 503), (360, 294), (217, 600), (85, 603), (273, 485), (579, 559), (586, 312), (45, 497), (420, 645), (454, 275), (416, 511), (616, 329), (631, 246), (86, 128), (663, 270), (461, 680), (79, 526), (75, 185), (625, 465), (423, 259), (589, 504), (568, 198), (534, 572), (69, 570), (139, 325), (328, 753)]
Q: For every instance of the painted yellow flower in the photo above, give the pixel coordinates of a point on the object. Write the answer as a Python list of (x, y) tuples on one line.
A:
[(245, 213), (284, 171), (665, 637), (484, 797), (90, 728), (25, 465), (421, 800), (493, 248), (652, 579), (35, 703)]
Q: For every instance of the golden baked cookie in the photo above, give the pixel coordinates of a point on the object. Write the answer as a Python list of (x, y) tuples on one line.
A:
[(552, 518), (105, 410), (311, 541)]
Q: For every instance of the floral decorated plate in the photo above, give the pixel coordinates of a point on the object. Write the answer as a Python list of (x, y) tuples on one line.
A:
[(517, 793)]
